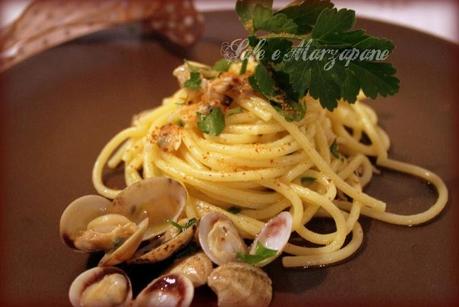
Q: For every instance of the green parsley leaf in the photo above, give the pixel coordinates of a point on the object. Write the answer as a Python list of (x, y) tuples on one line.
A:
[(233, 111), (234, 210), (295, 111), (323, 87), (245, 10), (376, 78), (181, 228), (274, 49), (306, 180), (332, 21), (338, 75), (334, 149), (262, 82), (343, 80), (261, 253), (212, 123), (263, 19), (194, 82), (305, 13), (222, 65), (258, 15)]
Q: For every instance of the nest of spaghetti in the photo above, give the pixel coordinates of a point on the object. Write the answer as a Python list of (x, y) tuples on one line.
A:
[(240, 154)]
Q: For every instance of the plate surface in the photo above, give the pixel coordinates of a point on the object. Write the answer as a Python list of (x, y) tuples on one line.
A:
[(60, 107)]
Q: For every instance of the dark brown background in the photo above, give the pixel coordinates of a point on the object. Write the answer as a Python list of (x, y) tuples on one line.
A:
[(59, 108)]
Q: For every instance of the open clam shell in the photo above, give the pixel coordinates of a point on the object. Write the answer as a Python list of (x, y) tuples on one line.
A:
[(108, 286), (158, 198), (166, 249), (168, 290), (219, 238), (127, 248), (77, 216), (274, 235)]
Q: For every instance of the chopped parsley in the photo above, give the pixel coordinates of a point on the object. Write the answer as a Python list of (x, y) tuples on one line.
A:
[(184, 227), (261, 253), (334, 150), (221, 65), (212, 123), (194, 82)]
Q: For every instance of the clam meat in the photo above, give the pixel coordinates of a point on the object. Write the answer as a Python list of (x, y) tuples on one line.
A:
[(101, 287), (219, 238)]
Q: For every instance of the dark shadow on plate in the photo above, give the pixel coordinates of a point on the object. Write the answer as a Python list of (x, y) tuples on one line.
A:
[(416, 196), (114, 178), (93, 260), (298, 280), (204, 296), (139, 274), (366, 223)]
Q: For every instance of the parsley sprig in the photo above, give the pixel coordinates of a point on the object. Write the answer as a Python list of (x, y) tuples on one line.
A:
[(317, 26), (212, 123), (184, 227), (261, 253), (334, 150), (194, 82)]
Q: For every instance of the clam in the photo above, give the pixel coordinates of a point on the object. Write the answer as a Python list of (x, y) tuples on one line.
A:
[(92, 223), (166, 291), (100, 287), (274, 235), (77, 216), (87, 225), (240, 284), (219, 238), (123, 251), (196, 267), (172, 241), (158, 198)]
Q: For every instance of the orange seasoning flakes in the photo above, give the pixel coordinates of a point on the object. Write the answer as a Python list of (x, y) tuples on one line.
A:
[(168, 137)]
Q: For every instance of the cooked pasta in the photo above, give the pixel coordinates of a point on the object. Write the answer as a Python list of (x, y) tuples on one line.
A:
[(263, 164)]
